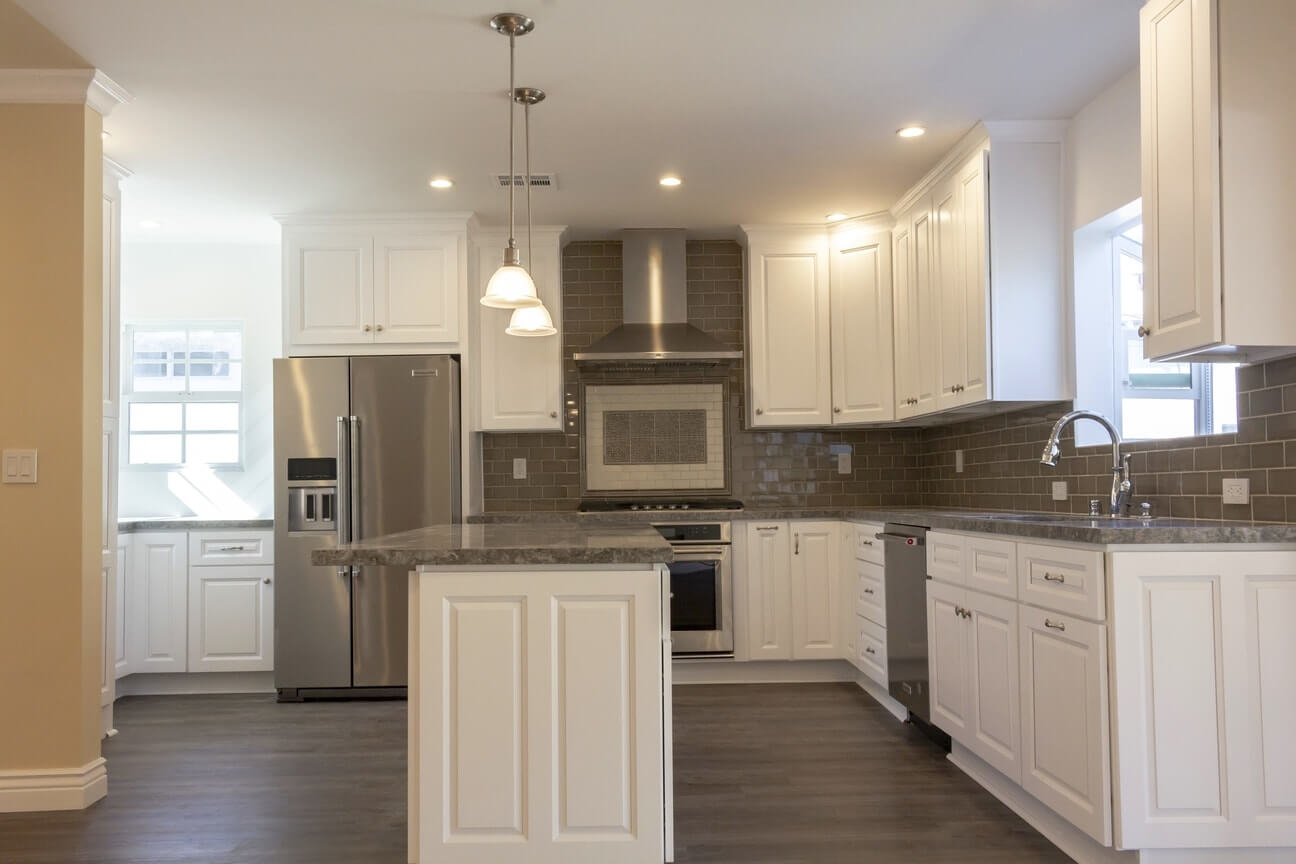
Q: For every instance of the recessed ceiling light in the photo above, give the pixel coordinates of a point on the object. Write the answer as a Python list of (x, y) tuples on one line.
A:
[(150, 224), (910, 131), (105, 134), (670, 181), (836, 217), (440, 182)]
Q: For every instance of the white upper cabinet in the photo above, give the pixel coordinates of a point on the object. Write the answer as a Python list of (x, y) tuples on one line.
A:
[(521, 376), (1217, 122), (394, 285), (860, 288), (917, 312), (788, 342)]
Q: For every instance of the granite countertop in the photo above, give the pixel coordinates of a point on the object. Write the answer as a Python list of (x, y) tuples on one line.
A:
[(1063, 527), (506, 545), (129, 525)]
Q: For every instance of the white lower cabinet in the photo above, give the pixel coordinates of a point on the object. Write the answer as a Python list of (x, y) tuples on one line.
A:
[(157, 612), (231, 619), (769, 624), (947, 638), (792, 586), (1065, 740)]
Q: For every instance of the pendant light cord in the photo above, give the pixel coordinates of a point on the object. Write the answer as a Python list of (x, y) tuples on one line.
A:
[(526, 126), (512, 39)]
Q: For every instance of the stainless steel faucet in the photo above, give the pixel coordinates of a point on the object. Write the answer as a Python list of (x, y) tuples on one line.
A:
[(1121, 483)]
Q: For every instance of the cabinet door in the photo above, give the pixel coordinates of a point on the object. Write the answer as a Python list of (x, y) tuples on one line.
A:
[(329, 284), (947, 653), (815, 560), (121, 665), (946, 557), (416, 286), (231, 619), (1065, 745), (157, 614), (905, 348), (994, 731), (521, 376), (975, 280), (1180, 134), (789, 344), (860, 280), (847, 589), (769, 620), (924, 312), (947, 276), (990, 565)]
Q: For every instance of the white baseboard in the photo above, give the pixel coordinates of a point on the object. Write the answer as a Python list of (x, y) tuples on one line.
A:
[(1283, 855), (702, 671), (1061, 833), (194, 683), (32, 789), (883, 698)]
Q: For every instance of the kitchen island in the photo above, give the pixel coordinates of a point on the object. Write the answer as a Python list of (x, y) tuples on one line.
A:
[(539, 690)]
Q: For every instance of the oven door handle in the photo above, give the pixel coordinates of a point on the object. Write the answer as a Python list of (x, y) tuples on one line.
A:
[(701, 553)]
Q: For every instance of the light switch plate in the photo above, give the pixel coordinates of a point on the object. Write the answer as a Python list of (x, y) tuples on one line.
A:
[(843, 463), (519, 469), (958, 461), (19, 466), (1059, 490), (1237, 490)]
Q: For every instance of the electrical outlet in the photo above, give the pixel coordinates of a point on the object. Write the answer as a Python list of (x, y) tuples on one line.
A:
[(1059, 490), (958, 461), (519, 469), (1237, 490), (19, 466), (843, 463)]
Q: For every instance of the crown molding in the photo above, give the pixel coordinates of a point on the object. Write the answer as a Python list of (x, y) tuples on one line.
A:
[(63, 87), (975, 138), (114, 169), (881, 220), (440, 218)]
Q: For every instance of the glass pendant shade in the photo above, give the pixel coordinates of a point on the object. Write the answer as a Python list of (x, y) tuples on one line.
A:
[(531, 321), (510, 288)]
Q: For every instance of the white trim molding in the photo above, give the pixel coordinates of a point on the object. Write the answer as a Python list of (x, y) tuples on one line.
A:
[(32, 789), (63, 87)]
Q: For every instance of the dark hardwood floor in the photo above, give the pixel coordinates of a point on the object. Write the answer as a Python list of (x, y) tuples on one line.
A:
[(793, 774)]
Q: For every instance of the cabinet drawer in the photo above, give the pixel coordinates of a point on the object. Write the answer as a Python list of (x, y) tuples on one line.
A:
[(867, 546), (870, 592), (218, 548), (945, 557), (871, 645), (1061, 578), (991, 566)]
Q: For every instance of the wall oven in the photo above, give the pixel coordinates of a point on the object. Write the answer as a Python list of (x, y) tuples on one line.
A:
[(701, 589)]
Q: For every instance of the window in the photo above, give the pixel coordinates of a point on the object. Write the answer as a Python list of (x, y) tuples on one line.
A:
[(1160, 400), (183, 394)]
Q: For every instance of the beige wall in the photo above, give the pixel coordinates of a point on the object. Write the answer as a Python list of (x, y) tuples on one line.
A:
[(50, 357)]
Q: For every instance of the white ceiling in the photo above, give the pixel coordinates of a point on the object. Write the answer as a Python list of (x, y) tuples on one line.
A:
[(770, 111)]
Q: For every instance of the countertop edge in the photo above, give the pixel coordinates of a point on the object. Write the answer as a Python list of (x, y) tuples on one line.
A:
[(184, 523)]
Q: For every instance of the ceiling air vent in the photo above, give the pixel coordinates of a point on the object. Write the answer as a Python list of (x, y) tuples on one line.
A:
[(538, 181)]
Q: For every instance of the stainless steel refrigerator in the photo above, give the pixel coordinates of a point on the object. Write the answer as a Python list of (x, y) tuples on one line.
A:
[(364, 446)]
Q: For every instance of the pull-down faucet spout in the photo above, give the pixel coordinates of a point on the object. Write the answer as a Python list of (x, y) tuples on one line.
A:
[(1121, 482)]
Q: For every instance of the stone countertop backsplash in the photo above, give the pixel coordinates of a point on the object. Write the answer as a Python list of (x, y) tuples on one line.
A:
[(1043, 526), (132, 525)]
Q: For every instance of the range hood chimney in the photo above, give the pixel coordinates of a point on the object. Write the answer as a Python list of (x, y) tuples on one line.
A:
[(654, 294)]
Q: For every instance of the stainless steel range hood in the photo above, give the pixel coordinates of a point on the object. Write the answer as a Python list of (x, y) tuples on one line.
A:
[(655, 298)]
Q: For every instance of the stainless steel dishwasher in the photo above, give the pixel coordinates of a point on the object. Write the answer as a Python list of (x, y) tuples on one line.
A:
[(906, 616)]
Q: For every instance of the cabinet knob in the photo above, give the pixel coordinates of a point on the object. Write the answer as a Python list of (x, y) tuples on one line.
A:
[(836, 410), (367, 328), (553, 413), (1144, 332), (266, 580), (760, 411), (379, 328)]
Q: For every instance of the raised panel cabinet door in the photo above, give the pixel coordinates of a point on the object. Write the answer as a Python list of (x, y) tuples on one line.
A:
[(157, 617), (860, 283), (1178, 54), (329, 286), (121, 666), (975, 281), (521, 376), (790, 345), (995, 717), (769, 614), (231, 618), (947, 277), (417, 286), (990, 565), (814, 571), (1065, 743), (847, 588), (946, 557), (947, 653), (905, 347), (924, 314)]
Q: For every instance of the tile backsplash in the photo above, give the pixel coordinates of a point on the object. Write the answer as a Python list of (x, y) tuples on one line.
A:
[(896, 467)]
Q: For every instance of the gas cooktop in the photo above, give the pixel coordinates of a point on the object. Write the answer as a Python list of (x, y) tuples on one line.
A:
[(595, 506)]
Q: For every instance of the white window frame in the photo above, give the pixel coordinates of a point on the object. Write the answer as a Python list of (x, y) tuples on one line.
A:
[(183, 397)]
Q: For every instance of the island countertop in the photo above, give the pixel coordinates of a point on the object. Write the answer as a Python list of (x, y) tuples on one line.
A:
[(504, 545)]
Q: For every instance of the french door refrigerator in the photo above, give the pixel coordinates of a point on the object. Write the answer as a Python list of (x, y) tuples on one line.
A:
[(364, 446)]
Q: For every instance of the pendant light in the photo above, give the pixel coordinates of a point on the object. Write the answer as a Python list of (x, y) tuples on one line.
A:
[(529, 320), (511, 286)]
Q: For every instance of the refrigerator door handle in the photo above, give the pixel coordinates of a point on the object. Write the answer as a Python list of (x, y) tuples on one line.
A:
[(343, 515), (353, 477)]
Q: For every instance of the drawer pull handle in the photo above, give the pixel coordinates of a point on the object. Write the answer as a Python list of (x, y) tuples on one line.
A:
[(868, 590), (1054, 577), (232, 549), (959, 610), (869, 650), (1055, 625), (867, 542), (765, 528)]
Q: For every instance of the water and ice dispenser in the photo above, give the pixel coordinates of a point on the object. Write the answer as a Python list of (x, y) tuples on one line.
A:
[(312, 495)]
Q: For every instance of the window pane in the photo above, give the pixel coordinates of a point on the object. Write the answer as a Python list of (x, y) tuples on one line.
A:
[(212, 416), (154, 417), (212, 448), (1131, 289), (1224, 413), (157, 360), (1144, 373), (227, 344), (1135, 233), (1158, 418), (154, 449), (208, 374)]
